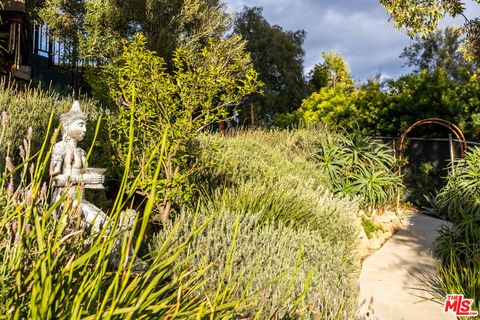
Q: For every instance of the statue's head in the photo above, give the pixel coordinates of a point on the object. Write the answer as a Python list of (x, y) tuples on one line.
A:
[(74, 123)]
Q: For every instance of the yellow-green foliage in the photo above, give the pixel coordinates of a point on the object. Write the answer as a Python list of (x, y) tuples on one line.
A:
[(328, 106), (369, 227), (335, 94), (204, 81)]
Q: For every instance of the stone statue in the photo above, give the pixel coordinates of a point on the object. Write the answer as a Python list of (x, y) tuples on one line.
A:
[(70, 174)]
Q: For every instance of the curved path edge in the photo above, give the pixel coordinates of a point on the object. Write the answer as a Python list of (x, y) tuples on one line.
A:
[(390, 281)]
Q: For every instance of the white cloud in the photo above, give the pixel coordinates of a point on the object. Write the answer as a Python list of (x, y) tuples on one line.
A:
[(357, 29)]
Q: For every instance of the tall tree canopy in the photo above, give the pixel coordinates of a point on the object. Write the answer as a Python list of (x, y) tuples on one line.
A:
[(95, 27), (278, 56), (333, 101), (423, 16), (439, 49)]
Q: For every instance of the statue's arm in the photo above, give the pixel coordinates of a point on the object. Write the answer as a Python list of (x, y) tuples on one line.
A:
[(56, 172), (87, 177)]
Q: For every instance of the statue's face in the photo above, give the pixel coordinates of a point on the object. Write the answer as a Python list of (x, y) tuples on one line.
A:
[(77, 129)]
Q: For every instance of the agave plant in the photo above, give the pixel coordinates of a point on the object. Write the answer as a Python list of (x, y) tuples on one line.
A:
[(375, 188), (363, 150), (360, 167), (332, 160)]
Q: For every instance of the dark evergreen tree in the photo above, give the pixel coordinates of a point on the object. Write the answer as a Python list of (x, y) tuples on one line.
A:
[(278, 56)]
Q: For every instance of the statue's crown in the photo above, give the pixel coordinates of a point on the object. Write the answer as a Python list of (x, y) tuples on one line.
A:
[(75, 113)]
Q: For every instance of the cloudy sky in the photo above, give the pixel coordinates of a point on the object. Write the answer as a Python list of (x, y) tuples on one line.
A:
[(359, 29)]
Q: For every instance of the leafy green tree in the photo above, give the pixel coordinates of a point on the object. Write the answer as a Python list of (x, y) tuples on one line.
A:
[(425, 95), (331, 106), (439, 49), (182, 93), (330, 72), (278, 56), (318, 77), (423, 16), (373, 108), (390, 110), (90, 29), (170, 109), (334, 102), (469, 94), (170, 24)]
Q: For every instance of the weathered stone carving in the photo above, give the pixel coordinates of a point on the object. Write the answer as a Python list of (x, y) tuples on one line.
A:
[(71, 175)]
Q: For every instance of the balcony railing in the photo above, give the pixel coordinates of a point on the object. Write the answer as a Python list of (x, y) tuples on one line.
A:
[(13, 5), (60, 54)]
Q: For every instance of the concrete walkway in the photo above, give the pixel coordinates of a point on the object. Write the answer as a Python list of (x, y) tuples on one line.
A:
[(389, 281)]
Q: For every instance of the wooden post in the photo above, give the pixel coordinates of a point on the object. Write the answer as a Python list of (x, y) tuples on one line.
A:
[(252, 115), (452, 153), (397, 160), (222, 129)]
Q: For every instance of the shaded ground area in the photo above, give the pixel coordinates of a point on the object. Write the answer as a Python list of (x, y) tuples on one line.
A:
[(389, 280)]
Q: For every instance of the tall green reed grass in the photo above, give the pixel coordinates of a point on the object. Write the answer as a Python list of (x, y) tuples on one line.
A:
[(53, 269)]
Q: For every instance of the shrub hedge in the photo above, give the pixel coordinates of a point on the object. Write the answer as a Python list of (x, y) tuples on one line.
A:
[(270, 183)]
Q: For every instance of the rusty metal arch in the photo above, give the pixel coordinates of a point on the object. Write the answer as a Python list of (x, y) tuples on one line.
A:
[(452, 127), (447, 124)]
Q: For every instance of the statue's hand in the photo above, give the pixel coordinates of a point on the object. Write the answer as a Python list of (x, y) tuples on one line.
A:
[(89, 178)]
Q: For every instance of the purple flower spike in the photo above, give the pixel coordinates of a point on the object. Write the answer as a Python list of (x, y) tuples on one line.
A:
[(30, 133), (9, 163), (22, 152), (10, 188), (43, 191), (4, 118), (28, 197), (28, 228)]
